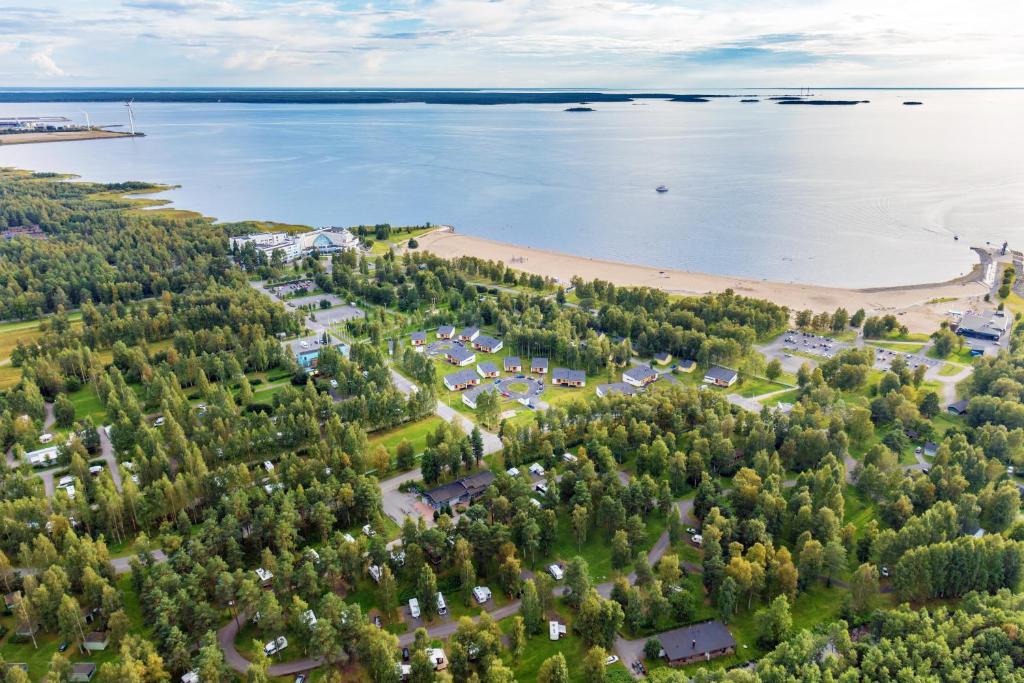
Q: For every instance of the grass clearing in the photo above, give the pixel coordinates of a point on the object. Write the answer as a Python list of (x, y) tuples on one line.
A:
[(415, 432)]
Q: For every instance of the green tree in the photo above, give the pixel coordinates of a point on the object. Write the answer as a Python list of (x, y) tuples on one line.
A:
[(593, 665), (553, 670), (773, 623), (774, 369), (726, 598), (533, 613), (863, 587), (426, 591), (517, 638)]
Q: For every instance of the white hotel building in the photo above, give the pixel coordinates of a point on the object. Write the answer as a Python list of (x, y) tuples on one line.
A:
[(294, 246)]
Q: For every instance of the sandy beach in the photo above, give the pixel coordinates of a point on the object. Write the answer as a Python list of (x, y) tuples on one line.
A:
[(32, 138), (910, 303)]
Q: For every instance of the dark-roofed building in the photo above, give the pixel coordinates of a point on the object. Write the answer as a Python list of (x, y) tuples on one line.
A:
[(931, 448), (686, 365), (640, 375), (463, 379), (565, 377), (720, 377), (616, 388), (459, 355), (990, 326), (513, 364), (487, 344), (468, 334), (419, 338), (471, 396), (662, 357), (465, 490), (487, 369), (698, 642), (96, 641), (539, 366), (445, 332), (957, 407), (82, 672)]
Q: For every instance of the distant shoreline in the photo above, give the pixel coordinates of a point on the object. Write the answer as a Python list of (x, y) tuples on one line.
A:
[(909, 302), (60, 136)]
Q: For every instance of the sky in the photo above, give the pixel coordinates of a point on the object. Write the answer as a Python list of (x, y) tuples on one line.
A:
[(631, 44)]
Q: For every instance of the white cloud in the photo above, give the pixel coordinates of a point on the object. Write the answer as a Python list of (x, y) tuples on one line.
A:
[(624, 43), (44, 64)]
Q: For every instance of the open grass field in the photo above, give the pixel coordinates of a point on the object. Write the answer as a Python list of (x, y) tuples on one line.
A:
[(415, 432), (902, 347), (755, 386)]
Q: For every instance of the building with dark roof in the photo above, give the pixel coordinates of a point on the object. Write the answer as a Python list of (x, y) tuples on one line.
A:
[(513, 364), (539, 366), (468, 334), (640, 375), (568, 378), (487, 369), (698, 642), (686, 365), (721, 377), (617, 388), (82, 672), (662, 357), (445, 332), (465, 490), (471, 396), (958, 407), (459, 355), (991, 326), (487, 344), (418, 338), (463, 379)]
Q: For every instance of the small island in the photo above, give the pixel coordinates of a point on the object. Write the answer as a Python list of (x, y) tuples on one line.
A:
[(912, 103), (580, 109), (750, 100)]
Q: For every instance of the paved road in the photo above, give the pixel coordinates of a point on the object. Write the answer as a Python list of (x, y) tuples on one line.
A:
[(107, 453), (121, 565), (226, 639)]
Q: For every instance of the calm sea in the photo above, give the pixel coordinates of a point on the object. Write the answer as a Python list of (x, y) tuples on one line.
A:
[(855, 196)]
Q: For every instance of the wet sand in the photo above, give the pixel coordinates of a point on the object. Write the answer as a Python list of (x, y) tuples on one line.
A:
[(910, 302)]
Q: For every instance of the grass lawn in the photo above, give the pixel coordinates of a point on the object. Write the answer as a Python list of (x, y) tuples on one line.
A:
[(911, 337), (949, 370), (415, 432), (901, 347), (87, 404), (787, 397), (962, 355), (755, 386), (540, 647), (597, 548)]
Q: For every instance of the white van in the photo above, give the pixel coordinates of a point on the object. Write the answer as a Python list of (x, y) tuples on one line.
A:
[(414, 608), (442, 608), (556, 572)]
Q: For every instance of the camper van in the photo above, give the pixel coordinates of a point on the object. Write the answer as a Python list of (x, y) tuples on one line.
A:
[(414, 608), (442, 608)]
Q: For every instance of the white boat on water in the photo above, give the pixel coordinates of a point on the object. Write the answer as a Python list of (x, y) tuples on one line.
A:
[(661, 189)]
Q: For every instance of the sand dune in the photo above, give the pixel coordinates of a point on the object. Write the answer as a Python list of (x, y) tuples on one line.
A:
[(909, 303)]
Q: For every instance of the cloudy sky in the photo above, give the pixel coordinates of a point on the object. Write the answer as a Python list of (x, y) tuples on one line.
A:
[(512, 43)]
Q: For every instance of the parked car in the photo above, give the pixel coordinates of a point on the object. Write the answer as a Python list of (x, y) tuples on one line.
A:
[(405, 654), (301, 678), (63, 646), (275, 646), (611, 660)]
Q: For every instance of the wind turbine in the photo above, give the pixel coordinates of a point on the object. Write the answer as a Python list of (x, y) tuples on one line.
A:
[(131, 116)]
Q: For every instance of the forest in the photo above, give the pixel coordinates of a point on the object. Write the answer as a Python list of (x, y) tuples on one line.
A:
[(210, 492)]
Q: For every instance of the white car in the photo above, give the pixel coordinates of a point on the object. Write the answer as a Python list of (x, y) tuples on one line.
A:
[(334, 384), (611, 660), (368, 531)]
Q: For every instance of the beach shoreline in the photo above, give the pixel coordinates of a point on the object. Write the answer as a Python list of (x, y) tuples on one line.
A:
[(60, 136), (909, 302)]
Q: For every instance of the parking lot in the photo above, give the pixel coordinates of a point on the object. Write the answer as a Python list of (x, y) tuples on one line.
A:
[(314, 300), (339, 314)]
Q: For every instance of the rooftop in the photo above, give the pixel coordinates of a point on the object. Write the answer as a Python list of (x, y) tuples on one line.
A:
[(461, 377), (460, 353), (512, 361), (717, 372), (640, 372), (539, 363), (485, 340), (487, 367), (697, 639), (567, 375)]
